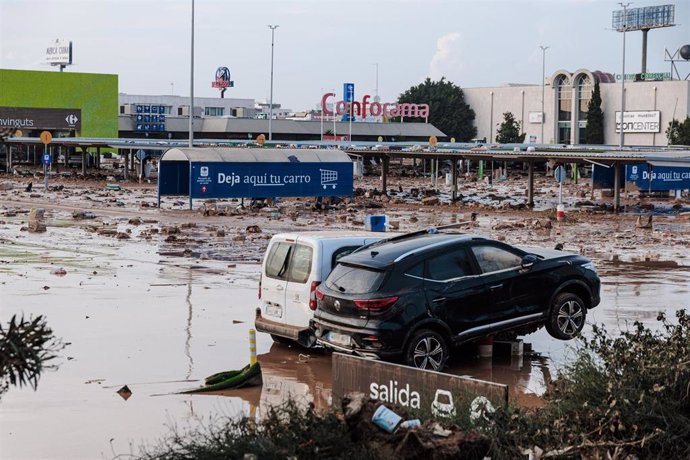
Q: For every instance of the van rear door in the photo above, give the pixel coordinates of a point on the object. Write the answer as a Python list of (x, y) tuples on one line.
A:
[(274, 280), (298, 290)]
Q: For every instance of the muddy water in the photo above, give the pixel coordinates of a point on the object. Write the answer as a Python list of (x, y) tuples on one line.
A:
[(161, 323)]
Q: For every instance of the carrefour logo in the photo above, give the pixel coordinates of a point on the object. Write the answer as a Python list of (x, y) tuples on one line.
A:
[(71, 119)]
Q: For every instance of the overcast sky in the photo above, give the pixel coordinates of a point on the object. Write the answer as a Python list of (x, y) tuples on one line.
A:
[(320, 44)]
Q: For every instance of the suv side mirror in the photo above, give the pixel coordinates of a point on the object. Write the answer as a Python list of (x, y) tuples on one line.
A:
[(529, 260)]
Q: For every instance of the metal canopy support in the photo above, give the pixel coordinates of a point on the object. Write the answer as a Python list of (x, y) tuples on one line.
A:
[(83, 161), (530, 185), (385, 162), (616, 186), (125, 172), (455, 180)]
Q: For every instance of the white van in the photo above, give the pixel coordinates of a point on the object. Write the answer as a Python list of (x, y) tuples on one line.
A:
[(293, 267)]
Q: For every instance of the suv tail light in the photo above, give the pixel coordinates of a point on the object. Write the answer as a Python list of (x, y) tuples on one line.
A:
[(313, 294), (260, 278), (376, 304), (320, 295)]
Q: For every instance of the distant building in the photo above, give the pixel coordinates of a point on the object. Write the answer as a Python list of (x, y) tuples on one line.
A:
[(650, 106)]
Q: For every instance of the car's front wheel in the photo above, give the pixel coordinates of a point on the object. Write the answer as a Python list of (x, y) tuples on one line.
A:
[(566, 317), (427, 350)]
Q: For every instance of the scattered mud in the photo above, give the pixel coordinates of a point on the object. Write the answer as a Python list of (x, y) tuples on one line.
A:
[(157, 299)]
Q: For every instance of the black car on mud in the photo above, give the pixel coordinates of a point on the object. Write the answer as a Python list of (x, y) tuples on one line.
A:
[(413, 297)]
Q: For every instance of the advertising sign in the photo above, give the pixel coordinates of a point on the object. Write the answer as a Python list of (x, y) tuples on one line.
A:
[(264, 180), (639, 122), (59, 53), (348, 92), (28, 119), (375, 108), (659, 178), (222, 79), (411, 388)]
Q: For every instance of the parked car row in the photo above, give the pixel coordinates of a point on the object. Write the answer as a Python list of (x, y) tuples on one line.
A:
[(414, 297)]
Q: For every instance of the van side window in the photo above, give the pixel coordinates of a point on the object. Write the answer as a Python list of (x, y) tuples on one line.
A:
[(301, 264), (342, 252), (277, 261)]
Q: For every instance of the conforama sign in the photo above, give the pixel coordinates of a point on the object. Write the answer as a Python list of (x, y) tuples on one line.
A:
[(375, 109)]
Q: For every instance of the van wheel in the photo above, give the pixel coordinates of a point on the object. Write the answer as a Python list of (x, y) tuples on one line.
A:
[(566, 317), (427, 349)]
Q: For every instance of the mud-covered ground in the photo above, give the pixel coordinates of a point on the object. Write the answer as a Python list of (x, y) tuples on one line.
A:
[(157, 299)]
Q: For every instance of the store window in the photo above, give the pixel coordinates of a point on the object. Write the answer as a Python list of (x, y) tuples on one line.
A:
[(214, 111), (565, 108), (584, 95)]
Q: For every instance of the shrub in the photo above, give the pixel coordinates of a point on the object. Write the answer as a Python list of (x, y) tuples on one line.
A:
[(623, 396)]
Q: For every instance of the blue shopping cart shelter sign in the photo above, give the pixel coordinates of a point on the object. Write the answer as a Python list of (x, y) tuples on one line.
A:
[(644, 177), (658, 178), (266, 179)]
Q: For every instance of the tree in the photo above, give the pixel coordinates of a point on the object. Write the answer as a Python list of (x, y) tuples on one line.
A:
[(26, 346), (594, 131), (448, 110), (509, 131), (678, 133)]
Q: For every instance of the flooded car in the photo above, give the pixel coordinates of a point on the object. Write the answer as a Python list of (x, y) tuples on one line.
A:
[(415, 296)]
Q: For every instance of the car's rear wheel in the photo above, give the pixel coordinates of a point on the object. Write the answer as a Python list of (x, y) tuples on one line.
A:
[(427, 350), (566, 317)]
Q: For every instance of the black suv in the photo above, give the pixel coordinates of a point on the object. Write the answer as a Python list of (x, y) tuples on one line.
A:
[(417, 295)]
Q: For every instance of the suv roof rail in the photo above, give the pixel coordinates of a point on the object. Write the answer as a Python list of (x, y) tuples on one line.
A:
[(428, 230)]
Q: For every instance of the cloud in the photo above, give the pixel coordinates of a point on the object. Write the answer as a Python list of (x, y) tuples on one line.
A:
[(446, 61)]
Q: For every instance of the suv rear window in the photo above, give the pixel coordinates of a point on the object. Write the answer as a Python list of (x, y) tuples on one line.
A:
[(359, 280)]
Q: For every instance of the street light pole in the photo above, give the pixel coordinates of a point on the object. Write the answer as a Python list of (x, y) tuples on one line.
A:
[(625, 27), (270, 110), (543, 86), (191, 89)]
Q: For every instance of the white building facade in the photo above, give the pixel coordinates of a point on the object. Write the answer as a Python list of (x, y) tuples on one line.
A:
[(649, 108)]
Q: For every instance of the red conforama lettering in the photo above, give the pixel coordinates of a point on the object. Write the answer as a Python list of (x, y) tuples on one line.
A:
[(376, 109)]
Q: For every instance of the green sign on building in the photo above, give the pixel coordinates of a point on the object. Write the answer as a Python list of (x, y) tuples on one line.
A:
[(88, 101)]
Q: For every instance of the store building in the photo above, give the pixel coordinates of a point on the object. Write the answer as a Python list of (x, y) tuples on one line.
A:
[(649, 107), (67, 104)]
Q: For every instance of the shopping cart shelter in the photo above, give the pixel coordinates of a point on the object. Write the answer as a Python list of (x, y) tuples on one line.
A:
[(254, 173)]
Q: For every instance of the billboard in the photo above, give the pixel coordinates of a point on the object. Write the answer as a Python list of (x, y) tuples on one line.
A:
[(59, 53), (266, 179), (649, 17)]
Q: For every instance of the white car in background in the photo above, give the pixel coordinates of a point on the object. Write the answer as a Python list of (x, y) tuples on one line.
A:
[(293, 267)]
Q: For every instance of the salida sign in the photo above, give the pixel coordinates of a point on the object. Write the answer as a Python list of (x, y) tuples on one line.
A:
[(373, 108), (442, 394), (262, 180)]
